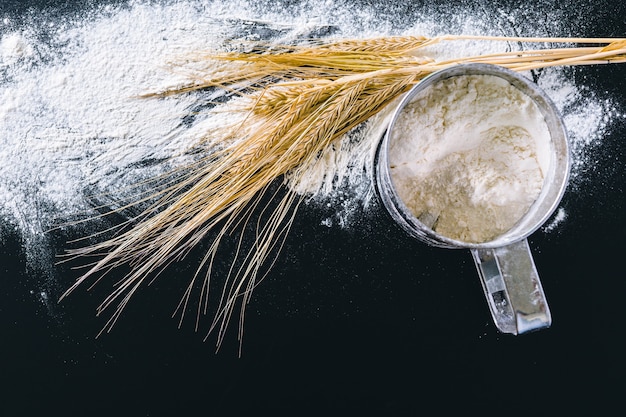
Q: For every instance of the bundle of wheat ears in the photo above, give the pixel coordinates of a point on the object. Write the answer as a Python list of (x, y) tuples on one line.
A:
[(295, 101)]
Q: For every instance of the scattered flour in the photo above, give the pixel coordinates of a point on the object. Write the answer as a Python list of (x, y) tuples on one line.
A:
[(468, 156), (14, 48), (559, 217), (70, 124)]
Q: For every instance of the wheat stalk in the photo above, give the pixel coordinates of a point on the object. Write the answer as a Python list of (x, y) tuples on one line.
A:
[(294, 102)]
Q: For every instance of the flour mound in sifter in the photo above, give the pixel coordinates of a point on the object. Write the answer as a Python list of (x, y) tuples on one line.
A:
[(469, 155)]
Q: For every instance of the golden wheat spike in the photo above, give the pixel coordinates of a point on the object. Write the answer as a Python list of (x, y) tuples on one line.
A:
[(388, 44)]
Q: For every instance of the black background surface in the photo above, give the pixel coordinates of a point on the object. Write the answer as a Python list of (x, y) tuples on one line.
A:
[(359, 321)]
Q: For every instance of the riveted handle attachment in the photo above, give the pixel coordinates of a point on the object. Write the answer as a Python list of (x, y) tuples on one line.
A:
[(512, 288)]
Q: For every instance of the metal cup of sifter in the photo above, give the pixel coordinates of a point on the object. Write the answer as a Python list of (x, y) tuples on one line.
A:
[(505, 265)]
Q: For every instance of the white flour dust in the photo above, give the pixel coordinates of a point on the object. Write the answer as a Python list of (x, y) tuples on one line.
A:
[(468, 156), (71, 125)]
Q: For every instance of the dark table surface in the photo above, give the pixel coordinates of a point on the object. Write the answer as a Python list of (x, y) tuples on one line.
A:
[(360, 320)]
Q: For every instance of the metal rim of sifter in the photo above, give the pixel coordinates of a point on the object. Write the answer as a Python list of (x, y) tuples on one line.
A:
[(505, 266)]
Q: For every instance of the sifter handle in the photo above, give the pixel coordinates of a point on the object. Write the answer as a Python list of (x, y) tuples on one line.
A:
[(512, 287)]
